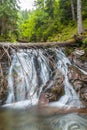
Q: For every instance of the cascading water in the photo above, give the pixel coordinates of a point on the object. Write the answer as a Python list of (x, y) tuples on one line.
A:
[(31, 69), (70, 98)]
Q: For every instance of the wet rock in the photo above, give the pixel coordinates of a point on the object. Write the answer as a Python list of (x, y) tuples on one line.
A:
[(83, 94), (54, 88), (79, 58), (3, 90), (73, 73), (79, 52), (43, 100), (4, 66), (78, 85), (79, 82), (54, 93)]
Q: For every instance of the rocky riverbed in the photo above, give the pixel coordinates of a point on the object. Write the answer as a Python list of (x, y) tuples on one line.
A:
[(77, 75), (78, 70)]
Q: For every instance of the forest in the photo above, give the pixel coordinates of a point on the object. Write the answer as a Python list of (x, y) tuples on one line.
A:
[(51, 20)]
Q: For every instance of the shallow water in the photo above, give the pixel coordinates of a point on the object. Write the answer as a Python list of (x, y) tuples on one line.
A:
[(36, 119)]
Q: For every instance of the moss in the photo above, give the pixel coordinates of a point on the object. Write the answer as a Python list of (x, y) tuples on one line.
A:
[(85, 23), (2, 39), (66, 33), (84, 57), (84, 42), (68, 51)]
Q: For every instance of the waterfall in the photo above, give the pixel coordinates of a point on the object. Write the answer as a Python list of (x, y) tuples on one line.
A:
[(70, 98), (30, 71)]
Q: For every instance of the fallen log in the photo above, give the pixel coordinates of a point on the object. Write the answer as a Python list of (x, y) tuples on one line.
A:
[(74, 42), (38, 45)]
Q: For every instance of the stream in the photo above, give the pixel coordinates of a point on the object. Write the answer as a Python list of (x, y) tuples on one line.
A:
[(33, 72)]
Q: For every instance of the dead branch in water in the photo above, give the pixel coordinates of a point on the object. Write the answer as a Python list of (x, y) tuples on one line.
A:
[(46, 110), (6, 51)]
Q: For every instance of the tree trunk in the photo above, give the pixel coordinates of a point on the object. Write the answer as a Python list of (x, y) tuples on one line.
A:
[(79, 17), (0, 27), (73, 10), (72, 42), (1, 3)]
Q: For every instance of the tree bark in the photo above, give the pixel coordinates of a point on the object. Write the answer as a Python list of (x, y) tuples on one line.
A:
[(72, 42), (0, 27), (73, 10), (1, 3), (79, 17)]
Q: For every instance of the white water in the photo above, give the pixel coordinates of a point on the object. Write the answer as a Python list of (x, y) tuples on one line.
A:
[(29, 72), (70, 99), (68, 122)]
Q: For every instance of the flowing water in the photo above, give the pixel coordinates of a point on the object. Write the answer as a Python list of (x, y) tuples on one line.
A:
[(33, 119), (29, 72)]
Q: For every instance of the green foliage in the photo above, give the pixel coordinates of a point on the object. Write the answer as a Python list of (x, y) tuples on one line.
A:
[(65, 11), (42, 22), (85, 41), (50, 21), (68, 51), (27, 29), (84, 9), (8, 18)]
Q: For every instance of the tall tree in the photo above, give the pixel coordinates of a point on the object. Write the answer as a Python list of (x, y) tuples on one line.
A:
[(8, 17), (49, 7), (65, 13), (73, 10), (79, 17)]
